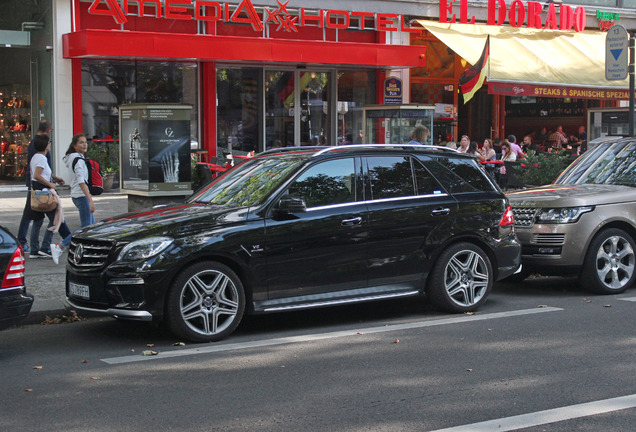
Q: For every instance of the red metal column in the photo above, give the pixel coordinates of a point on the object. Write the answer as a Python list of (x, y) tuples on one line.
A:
[(208, 107), (76, 89)]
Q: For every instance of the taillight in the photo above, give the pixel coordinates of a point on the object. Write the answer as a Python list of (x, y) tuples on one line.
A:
[(508, 218), (14, 275)]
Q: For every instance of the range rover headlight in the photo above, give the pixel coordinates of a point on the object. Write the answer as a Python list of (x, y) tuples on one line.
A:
[(562, 215), (144, 249)]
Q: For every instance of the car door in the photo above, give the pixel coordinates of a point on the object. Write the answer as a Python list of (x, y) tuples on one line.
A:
[(409, 213), (322, 249)]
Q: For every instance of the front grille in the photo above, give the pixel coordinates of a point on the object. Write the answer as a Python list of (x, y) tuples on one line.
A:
[(524, 216), (85, 254), (548, 239)]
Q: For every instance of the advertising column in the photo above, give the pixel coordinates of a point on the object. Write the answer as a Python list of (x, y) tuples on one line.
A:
[(155, 151)]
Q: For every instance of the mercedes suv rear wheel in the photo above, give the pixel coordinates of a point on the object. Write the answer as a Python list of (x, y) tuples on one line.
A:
[(461, 278)]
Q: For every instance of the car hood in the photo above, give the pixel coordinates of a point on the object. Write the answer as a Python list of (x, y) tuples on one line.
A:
[(173, 221), (572, 195)]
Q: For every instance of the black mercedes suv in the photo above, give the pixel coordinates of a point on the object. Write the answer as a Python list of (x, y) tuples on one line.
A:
[(302, 227)]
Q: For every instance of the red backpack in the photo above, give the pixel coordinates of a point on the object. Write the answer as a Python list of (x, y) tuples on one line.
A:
[(94, 181)]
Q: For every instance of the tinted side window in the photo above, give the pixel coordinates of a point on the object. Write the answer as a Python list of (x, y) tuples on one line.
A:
[(390, 177), (459, 175), (327, 183), (425, 182)]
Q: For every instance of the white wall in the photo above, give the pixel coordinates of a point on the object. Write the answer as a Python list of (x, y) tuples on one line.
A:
[(62, 88)]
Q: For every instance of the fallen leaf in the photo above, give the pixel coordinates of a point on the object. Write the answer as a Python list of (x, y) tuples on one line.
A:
[(72, 316), (150, 345), (469, 313), (28, 390), (607, 305), (489, 329), (469, 370), (178, 344), (542, 306), (149, 353), (37, 367), (95, 378), (360, 333), (84, 361), (396, 341)]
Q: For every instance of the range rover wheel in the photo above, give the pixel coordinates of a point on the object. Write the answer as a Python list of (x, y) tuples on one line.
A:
[(461, 279), (609, 266), (205, 303)]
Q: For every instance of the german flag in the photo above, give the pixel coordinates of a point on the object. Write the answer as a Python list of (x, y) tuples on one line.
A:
[(473, 78)]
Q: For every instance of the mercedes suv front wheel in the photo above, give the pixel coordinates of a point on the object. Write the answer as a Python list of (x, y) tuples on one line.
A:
[(205, 303)]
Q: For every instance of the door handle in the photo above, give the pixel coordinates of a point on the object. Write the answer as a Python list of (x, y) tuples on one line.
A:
[(441, 212), (350, 222)]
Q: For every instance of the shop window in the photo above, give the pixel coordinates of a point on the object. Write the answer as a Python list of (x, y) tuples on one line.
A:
[(238, 109), (355, 90), (108, 84)]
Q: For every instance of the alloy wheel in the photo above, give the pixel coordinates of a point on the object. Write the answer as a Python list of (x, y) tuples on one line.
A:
[(466, 278)]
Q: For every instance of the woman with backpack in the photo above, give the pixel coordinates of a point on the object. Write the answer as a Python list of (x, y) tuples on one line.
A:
[(80, 194)]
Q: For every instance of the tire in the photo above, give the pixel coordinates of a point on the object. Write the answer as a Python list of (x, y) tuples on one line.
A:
[(205, 303), (610, 264), (461, 279)]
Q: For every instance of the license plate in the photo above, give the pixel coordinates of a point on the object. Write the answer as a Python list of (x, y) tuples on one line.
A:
[(77, 290)]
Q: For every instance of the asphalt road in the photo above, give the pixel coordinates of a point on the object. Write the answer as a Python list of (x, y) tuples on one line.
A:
[(538, 356)]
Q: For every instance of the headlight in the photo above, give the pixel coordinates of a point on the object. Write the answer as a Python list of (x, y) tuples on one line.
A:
[(144, 249), (562, 215)]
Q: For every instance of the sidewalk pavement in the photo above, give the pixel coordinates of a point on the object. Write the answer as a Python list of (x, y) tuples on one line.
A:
[(44, 279)]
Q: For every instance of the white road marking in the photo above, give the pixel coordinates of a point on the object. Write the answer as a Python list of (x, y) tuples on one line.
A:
[(548, 416), (206, 349), (631, 299)]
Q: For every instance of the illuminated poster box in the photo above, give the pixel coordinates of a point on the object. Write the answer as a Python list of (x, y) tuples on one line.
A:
[(155, 149)]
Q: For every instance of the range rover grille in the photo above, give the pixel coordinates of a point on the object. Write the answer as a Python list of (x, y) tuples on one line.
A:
[(524, 216), (549, 239), (87, 254)]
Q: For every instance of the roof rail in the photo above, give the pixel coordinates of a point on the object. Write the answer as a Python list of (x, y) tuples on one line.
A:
[(291, 149), (391, 146)]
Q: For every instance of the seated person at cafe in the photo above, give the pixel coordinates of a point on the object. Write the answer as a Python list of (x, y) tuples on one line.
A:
[(557, 139), (516, 148), (496, 145), (529, 145), (486, 152), (541, 135), (580, 139)]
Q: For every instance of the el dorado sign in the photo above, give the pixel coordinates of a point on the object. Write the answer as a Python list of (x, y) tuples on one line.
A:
[(517, 14), (245, 13)]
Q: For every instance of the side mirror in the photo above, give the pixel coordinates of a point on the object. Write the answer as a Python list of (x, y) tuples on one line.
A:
[(288, 205)]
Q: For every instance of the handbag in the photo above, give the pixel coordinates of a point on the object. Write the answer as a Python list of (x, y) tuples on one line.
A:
[(43, 200)]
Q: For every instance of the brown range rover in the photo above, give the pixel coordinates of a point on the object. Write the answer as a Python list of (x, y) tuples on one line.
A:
[(585, 223)]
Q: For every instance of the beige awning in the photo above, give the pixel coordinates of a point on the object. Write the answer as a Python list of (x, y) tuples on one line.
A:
[(531, 56)]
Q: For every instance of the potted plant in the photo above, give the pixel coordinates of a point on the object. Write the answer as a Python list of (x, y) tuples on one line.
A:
[(107, 155), (538, 169)]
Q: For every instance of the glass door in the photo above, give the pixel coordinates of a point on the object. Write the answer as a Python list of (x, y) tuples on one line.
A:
[(314, 88), (280, 103)]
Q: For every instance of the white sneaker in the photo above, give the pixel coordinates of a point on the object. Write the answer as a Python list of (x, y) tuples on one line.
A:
[(56, 252)]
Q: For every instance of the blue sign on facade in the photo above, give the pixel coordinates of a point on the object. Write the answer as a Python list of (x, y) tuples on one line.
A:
[(392, 91)]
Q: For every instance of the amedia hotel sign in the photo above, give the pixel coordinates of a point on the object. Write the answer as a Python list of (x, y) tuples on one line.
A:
[(245, 13)]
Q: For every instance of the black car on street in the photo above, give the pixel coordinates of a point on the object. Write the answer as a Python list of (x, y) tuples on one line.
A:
[(298, 228), (15, 303)]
